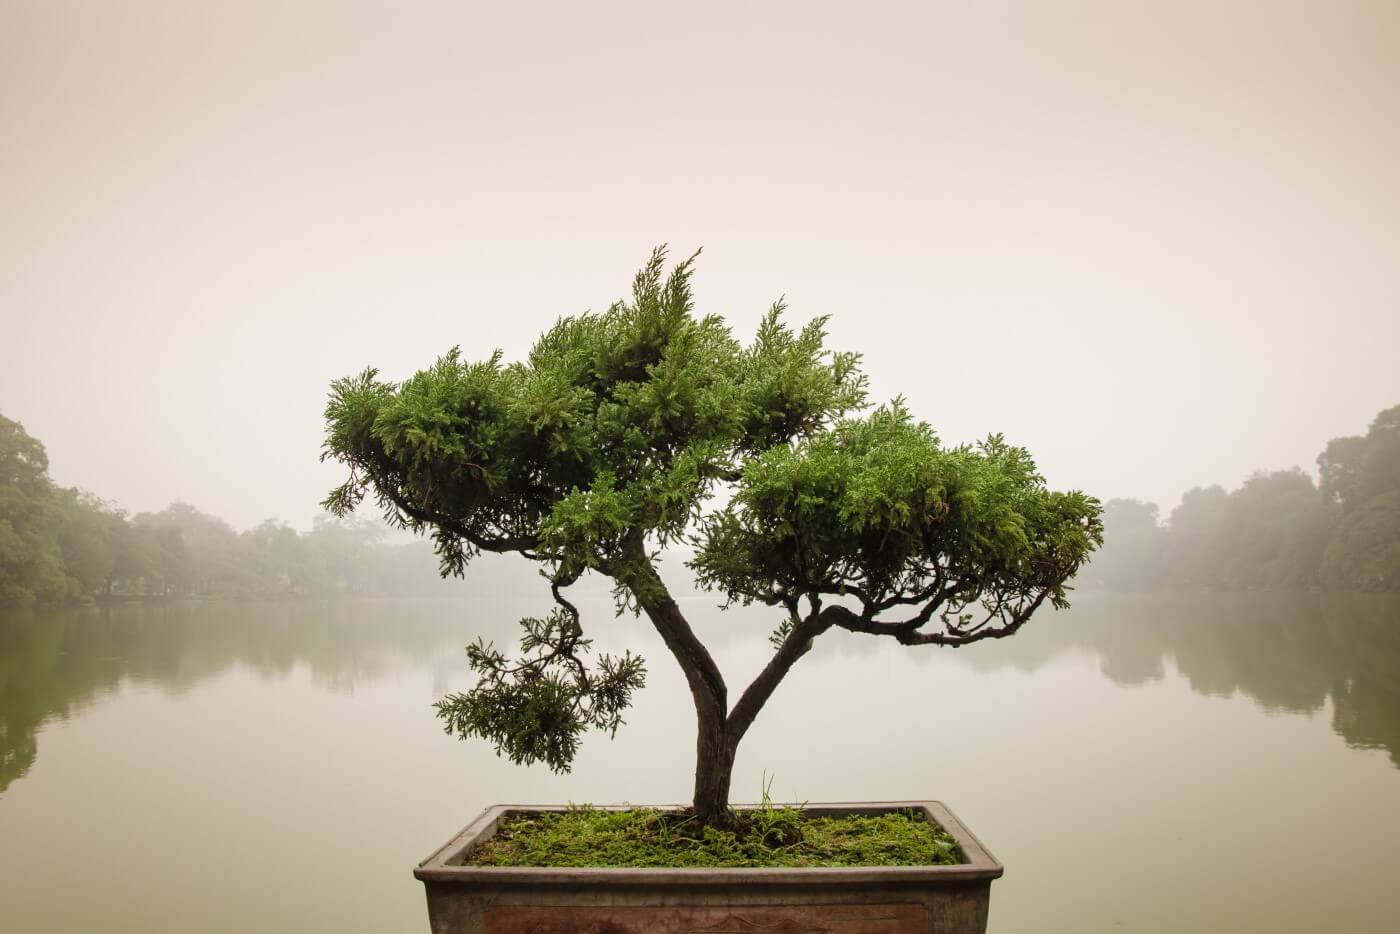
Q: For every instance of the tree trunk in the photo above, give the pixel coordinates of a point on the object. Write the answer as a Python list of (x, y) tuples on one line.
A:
[(714, 767), (714, 751), (718, 729)]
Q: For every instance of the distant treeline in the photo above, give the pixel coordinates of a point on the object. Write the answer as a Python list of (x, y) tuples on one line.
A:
[(1279, 530), (59, 545)]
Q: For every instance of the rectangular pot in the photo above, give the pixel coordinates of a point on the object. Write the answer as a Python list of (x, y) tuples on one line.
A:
[(877, 900)]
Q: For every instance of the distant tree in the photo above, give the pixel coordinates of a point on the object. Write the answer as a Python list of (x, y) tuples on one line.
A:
[(1364, 553), (198, 549), (1339, 467), (1361, 482), (160, 557), (58, 544), (608, 443), (1380, 467), (90, 539), (1194, 559), (274, 560), (1355, 469), (31, 568), (1132, 553), (1273, 534), (1277, 531), (348, 553), (1268, 534)]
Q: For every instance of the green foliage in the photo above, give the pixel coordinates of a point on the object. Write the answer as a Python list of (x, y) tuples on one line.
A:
[(537, 709), (1356, 470), (58, 544), (1340, 466), (99, 547), (1275, 532), (766, 836), (617, 421), (878, 508), (61, 545), (1266, 534), (1361, 477), (30, 567), (1364, 553), (609, 441)]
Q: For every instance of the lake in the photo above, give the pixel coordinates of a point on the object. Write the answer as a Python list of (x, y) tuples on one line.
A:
[(1150, 764)]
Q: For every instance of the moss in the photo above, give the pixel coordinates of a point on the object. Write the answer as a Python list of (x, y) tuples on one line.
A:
[(769, 837)]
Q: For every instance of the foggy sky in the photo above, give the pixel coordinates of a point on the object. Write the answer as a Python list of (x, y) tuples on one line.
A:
[(1155, 243)]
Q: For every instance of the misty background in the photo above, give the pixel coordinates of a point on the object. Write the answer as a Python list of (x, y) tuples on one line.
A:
[(1154, 243)]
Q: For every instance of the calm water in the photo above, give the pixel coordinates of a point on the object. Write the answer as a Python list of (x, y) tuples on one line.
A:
[(1138, 764)]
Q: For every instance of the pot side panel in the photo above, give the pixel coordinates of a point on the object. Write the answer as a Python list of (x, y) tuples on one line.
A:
[(778, 919)]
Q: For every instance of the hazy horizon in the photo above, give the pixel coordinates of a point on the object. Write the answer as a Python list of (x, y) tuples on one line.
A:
[(1153, 243)]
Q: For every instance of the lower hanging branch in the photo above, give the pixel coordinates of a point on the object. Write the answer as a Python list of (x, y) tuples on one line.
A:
[(537, 707)]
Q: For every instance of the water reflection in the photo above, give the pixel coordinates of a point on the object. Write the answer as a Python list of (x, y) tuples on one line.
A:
[(1287, 653), (54, 664)]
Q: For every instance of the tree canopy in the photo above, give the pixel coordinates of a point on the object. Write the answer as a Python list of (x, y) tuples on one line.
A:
[(1361, 478), (626, 431), (30, 568), (1279, 530), (66, 545)]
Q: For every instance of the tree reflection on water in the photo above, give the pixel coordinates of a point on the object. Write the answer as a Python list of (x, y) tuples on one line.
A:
[(1291, 653), (1286, 652), (55, 664)]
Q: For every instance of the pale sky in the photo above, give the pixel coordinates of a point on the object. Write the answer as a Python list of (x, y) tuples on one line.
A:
[(1157, 243)]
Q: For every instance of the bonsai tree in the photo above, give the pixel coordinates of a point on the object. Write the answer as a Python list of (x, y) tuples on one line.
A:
[(647, 425)]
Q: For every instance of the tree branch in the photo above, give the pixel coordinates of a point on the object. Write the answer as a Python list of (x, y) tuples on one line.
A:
[(955, 638), (907, 632), (701, 672), (797, 644), (521, 543)]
